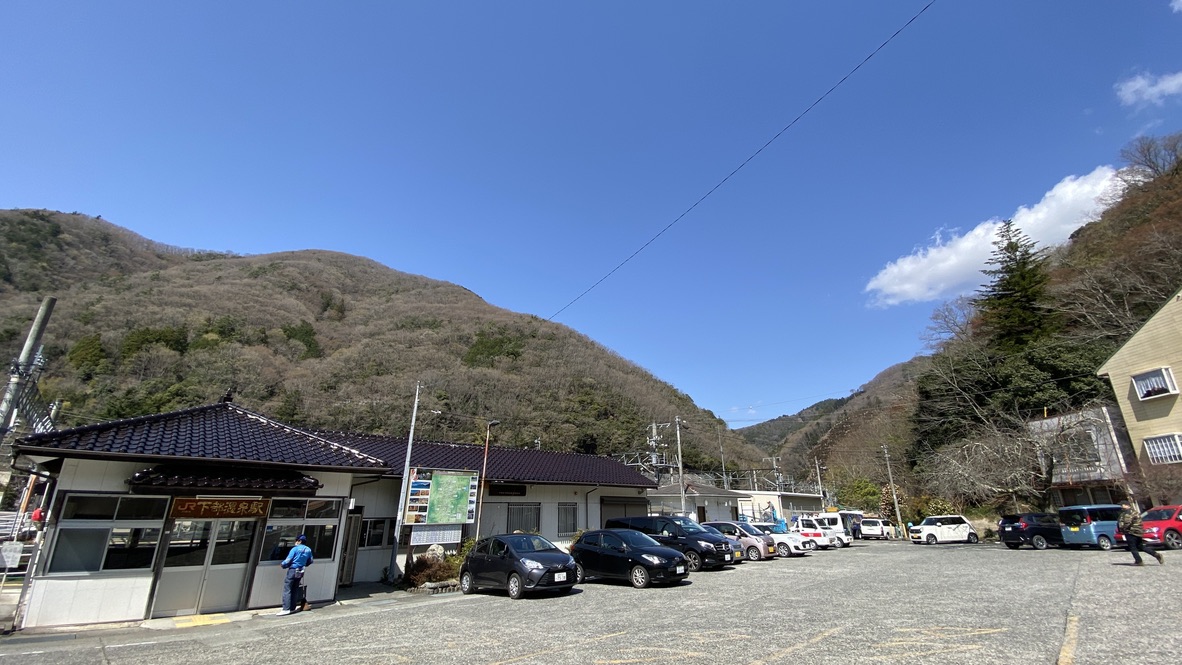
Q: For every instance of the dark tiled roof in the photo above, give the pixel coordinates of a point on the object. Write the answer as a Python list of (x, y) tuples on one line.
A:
[(513, 465), (222, 432), (221, 479)]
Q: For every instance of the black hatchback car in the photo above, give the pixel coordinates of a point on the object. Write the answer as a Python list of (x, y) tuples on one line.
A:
[(700, 548), (517, 563), (1039, 530), (627, 554)]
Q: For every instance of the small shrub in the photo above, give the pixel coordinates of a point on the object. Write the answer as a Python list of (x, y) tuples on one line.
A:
[(423, 570)]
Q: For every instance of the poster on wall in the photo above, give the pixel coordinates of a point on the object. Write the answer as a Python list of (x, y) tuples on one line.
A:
[(441, 497)]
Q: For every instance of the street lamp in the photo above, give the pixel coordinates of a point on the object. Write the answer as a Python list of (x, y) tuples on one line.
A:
[(483, 473)]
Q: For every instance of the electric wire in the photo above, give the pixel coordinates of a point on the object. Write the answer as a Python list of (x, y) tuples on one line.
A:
[(744, 163)]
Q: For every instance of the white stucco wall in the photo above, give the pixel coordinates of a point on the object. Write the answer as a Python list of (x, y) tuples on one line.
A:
[(95, 598)]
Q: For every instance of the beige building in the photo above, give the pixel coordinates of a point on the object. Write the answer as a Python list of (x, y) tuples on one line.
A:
[(1142, 376)]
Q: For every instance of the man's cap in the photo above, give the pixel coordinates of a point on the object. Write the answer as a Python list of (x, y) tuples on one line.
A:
[(301, 538)]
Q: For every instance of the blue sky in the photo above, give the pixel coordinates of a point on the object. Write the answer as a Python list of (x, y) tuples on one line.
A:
[(526, 150)]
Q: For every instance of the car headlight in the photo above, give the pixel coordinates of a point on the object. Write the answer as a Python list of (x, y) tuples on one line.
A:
[(653, 559), (706, 544), (1153, 529), (530, 564)]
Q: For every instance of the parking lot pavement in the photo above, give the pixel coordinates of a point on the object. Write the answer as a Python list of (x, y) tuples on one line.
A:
[(872, 603)]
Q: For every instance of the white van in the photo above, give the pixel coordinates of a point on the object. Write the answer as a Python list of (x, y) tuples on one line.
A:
[(834, 521)]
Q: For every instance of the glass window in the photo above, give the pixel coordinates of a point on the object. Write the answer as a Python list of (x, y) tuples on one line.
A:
[(233, 542), (1154, 383), (322, 538), (373, 533), (189, 543), (278, 541), (322, 509), (79, 550), (131, 549), (525, 517), (1163, 449), (611, 540), (89, 507), (568, 518), (142, 508), (481, 547), (592, 540), (288, 508)]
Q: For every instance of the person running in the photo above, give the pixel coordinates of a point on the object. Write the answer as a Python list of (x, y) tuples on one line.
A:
[(1130, 525)]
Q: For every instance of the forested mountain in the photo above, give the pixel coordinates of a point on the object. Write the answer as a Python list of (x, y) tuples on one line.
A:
[(338, 342), (320, 339)]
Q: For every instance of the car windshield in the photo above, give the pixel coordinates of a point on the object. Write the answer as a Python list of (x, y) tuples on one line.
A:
[(636, 539), (1072, 517), (689, 525), (529, 543), (866, 523), (711, 529), (1158, 514), (750, 530), (1011, 519), (931, 521)]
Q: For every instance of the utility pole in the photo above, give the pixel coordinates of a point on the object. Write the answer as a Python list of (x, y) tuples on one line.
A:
[(20, 368), (820, 488), (891, 480), (680, 467), (726, 478), (405, 486)]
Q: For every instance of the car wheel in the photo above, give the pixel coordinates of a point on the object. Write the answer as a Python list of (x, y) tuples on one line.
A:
[(1172, 540), (466, 583), (1104, 543), (693, 561), (1013, 546), (931, 539), (753, 553), (639, 577), (1039, 542), (973, 538), (783, 549), (515, 586), (580, 574)]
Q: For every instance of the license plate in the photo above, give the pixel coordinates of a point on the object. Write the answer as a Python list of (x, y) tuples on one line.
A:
[(559, 577), (1075, 528), (727, 557), (1009, 528), (681, 570)]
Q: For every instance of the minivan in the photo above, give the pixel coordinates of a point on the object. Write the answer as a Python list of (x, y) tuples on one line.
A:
[(701, 548), (1091, 525)]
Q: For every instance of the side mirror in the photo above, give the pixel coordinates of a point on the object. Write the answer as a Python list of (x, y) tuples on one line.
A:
[(939, 524)]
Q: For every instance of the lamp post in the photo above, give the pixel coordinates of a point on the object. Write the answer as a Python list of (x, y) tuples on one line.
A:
[(405, 484), (483, 473)]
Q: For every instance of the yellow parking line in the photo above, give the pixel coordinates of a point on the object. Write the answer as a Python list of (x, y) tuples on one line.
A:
[(1070, 639)]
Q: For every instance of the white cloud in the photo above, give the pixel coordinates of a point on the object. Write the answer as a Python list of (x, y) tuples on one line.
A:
[(1147, 89), (1176, 5), (951, 267)]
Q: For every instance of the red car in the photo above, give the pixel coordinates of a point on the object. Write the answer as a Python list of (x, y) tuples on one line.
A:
[(1163, 524)]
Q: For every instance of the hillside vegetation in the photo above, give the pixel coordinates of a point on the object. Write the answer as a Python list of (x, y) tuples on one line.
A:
[(316, 338)]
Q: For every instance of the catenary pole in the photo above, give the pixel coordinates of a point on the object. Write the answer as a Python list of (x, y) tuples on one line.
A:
[(405, 487)]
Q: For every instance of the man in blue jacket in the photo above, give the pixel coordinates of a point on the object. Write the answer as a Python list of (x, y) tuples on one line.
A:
[(298, 558)]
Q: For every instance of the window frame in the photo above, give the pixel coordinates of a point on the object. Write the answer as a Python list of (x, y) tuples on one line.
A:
[(572, 520), (1157, 448), (1154, 383), (514, 517), (321, 531), (114, 528)]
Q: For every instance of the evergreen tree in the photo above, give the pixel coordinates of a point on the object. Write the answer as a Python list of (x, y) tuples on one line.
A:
[(1012, 308)]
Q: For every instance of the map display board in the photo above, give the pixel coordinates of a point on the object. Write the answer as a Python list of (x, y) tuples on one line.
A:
[(442, 497)]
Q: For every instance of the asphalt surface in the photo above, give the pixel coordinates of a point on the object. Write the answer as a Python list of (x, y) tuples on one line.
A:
[(872, 603)]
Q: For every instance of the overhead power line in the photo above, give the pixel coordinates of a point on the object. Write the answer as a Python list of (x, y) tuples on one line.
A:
[(745, 161)]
